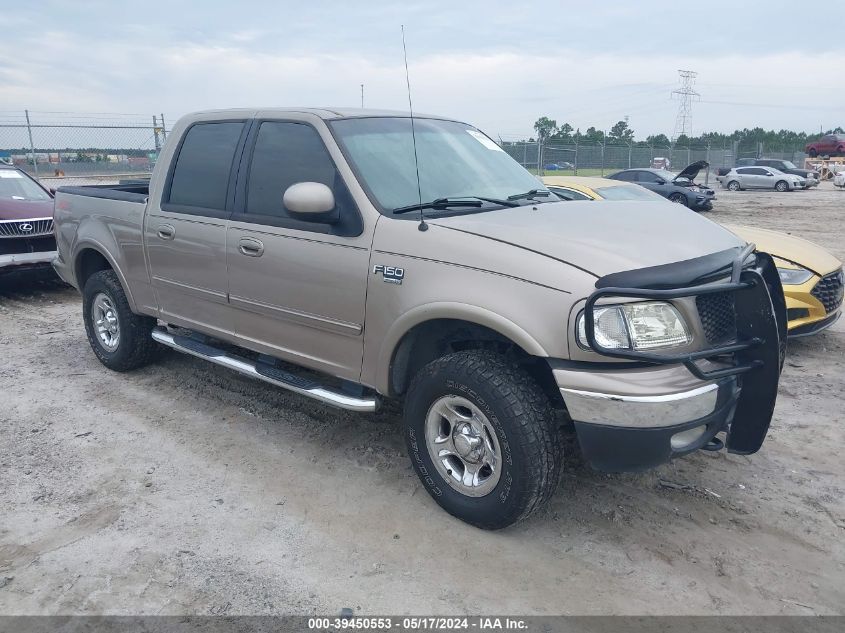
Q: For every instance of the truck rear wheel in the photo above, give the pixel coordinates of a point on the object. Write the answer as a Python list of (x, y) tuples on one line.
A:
[(120, 338), (482, 438)]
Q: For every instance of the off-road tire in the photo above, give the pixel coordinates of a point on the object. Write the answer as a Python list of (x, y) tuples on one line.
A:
[(734, 185), (812, 153), (781, 186), (135, 347), (526, 430), (678, 198)]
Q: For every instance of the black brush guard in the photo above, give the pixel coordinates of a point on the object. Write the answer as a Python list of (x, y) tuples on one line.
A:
[(755, 357)]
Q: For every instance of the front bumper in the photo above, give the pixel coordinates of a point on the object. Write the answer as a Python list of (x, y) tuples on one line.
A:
[(702, 204), (26, 261), (807, 315), (677, 425)]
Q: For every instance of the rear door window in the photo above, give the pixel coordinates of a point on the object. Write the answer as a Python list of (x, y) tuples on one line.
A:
[(201, 175)]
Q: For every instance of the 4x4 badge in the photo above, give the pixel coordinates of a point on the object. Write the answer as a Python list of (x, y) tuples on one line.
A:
[(390, 274)]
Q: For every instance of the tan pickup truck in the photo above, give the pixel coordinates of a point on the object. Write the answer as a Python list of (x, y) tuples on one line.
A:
[(354, 256)]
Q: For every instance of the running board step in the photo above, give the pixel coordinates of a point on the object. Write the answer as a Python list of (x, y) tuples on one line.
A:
[(265, 372)]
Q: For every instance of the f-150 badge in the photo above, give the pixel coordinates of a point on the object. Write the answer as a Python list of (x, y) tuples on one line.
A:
[(390, 274)]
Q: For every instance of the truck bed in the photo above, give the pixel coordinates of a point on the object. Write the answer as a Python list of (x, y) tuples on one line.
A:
[(124, 193)]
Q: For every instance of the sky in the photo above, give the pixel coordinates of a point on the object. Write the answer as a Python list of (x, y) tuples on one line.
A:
[(498, 65)]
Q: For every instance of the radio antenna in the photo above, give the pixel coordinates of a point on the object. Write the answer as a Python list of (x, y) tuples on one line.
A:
[(422, 225)]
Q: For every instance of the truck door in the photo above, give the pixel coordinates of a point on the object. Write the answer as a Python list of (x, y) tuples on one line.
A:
[(298, 287), (185, 232)]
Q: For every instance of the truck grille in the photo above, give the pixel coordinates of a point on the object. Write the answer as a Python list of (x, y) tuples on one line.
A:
[(718, 316), (26, 228), (829, 291), (20, 246)]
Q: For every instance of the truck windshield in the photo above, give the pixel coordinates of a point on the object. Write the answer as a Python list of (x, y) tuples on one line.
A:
[(455, 161), (15, 186)]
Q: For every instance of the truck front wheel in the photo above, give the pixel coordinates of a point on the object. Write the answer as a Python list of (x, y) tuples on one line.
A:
[(120, 338), (482, 438)]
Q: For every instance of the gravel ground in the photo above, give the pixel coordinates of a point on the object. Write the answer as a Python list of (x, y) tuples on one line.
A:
[(184, 488)]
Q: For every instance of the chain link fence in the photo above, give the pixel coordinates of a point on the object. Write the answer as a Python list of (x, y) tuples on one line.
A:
[(599, 159), (60, 148)]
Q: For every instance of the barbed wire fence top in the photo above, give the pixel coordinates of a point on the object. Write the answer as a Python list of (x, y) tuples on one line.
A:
[(595, 158), (65, 148)]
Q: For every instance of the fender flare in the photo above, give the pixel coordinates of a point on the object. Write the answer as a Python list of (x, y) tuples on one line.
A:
[(454, 311), (92, 244)]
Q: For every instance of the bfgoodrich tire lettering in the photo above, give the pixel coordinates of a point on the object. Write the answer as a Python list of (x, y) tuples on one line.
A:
[(135, 346), (526, 434)]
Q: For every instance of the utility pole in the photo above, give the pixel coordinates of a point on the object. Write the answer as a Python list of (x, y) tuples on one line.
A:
[(686, 94)]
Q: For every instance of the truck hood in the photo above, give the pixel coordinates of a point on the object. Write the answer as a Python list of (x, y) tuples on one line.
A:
[(600, 236), (25, 209)]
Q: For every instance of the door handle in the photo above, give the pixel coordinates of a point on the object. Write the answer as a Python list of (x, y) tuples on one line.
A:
[(166, 231), (251, 247)]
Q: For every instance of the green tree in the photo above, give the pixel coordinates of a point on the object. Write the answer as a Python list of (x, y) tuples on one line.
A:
[(658, 140), (621, 133), (592, 135), (563, 134), (545, 128)]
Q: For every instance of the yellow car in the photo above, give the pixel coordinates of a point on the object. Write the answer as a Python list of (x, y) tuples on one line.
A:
[(812, 278)]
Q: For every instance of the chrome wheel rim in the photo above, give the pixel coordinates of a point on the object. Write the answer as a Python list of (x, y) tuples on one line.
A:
[(106, 324), (463, 446)]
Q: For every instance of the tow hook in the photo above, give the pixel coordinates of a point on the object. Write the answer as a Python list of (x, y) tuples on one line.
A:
[(715, 444)]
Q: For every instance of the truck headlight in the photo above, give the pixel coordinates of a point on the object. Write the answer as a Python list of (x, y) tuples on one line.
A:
[(794, 276), (640, 326)]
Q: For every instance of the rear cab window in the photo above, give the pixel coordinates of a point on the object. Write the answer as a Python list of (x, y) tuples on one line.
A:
[(200, 178)]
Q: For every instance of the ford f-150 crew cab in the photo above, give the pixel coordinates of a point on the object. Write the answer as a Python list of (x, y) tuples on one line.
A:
[(355, 256)]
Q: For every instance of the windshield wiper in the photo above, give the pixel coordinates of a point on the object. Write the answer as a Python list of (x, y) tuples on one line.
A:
[(531, 194), (445, 203)]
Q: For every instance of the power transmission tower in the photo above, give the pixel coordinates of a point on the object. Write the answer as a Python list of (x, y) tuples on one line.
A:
[(686, 94)]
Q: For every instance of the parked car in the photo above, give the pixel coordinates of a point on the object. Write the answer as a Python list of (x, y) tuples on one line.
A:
[(740, 178), (827, 145), (300, 248), (558, 166), (680, 188), (26, 223), (811, 276), (811, 177)]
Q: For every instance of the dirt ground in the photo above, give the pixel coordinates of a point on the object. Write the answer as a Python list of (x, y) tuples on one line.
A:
[(185, 488)]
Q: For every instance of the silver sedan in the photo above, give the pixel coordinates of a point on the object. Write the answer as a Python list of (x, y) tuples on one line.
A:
[(740, 178)]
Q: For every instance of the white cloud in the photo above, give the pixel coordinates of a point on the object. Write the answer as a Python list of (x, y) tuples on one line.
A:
[(502, 92)]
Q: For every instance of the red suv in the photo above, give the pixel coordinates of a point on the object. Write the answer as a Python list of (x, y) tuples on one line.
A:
[(827, 145)]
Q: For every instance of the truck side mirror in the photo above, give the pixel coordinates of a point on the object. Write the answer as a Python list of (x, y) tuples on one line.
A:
[(311, 201)]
